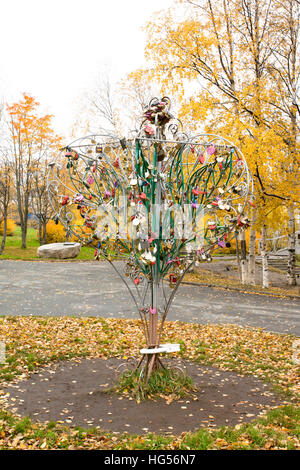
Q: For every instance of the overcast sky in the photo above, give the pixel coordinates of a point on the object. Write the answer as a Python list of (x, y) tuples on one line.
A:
[(53, 49)]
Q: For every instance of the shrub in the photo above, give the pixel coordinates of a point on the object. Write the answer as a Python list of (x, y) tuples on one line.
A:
[(11, 227), (55, 232)]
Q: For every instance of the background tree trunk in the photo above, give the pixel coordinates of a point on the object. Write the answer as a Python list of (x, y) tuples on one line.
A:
[(24, 235), (291, 271), (238, 259), (264, 259), (5, 197), (252, 247), (44, 232), (3, 241), (40, 230), (243, 258)]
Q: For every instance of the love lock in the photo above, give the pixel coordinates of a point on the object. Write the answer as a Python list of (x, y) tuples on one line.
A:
[(172, 279)]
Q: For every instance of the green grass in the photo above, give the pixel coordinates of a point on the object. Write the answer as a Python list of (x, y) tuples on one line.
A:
[(278, 429), (163, 382), (14, 251)]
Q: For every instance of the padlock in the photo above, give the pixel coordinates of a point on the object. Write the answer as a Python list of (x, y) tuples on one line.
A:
[(123, 143), (172, 279), (201, 158)]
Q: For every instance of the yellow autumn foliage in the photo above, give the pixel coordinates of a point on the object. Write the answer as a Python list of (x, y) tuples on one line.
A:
[(55, 232), (225, 85), (11, 227)]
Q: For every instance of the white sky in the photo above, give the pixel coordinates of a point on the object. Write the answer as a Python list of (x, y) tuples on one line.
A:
[(54, 49)]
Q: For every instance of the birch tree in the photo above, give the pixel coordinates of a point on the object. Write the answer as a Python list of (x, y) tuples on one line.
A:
[(226, 51), (285, 72)]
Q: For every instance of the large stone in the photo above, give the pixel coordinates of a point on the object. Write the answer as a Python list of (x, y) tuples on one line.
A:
[(59, 250)]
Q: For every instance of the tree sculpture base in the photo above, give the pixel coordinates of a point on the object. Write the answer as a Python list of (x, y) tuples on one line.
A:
[(153, 363), (153, 377), (151, 356)]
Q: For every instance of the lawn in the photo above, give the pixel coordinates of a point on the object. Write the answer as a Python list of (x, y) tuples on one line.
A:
[(14, 251)]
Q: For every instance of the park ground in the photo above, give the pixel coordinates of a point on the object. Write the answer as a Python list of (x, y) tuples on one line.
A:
[(35, 344), (53, 312)]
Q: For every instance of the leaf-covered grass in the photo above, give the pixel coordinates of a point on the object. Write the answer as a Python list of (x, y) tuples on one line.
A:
[(206, 277), (34, 341), (278, 429)]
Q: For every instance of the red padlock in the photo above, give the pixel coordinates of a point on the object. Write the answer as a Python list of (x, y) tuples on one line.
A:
[(201, 158), (65, 200), (196, 192)]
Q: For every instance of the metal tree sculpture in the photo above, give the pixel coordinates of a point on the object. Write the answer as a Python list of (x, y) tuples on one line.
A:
[(162, 201)]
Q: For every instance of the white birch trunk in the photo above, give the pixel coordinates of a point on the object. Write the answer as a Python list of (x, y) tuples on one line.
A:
[(264, 259), (252, 246), (291, 270), (244, 270), (238, 260)]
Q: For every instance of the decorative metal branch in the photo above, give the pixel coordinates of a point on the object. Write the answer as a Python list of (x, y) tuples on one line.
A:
[(161, 200)]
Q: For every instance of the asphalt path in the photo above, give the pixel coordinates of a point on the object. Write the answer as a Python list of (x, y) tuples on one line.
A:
[(94, 289)]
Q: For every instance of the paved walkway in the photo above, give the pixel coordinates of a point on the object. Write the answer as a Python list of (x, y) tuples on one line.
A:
[(93, 289)]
